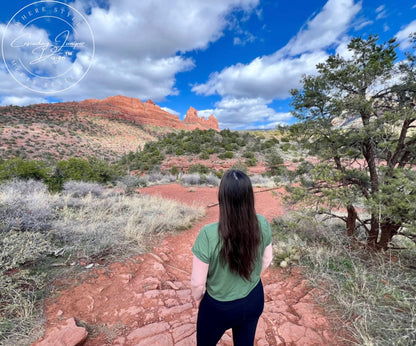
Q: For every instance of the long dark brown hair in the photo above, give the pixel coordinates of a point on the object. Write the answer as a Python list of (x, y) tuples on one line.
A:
[(238, 227)]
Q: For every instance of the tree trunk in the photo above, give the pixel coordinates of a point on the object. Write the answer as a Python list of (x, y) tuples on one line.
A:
[(388, 231), (373, 234), (351, 220)]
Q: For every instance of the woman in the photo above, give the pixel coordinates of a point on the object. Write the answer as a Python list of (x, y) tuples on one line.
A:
[(229, 257)]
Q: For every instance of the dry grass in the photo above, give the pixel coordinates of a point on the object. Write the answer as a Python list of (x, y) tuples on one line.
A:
[(41, 234), (373, 294)]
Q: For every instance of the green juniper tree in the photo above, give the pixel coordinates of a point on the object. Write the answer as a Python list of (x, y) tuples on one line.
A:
[(357, 117)]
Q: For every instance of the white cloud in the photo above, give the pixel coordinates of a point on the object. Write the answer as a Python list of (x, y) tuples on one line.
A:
[(171, 111), (247, 89), (403, 35), (325, 28), (381, 15), (245, 113), (362, 24), (21, 101), (265, 77), (272, 76), (140, 44), (380, 8)]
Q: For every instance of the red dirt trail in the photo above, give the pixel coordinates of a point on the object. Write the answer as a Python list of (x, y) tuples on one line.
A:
[(147, 299)]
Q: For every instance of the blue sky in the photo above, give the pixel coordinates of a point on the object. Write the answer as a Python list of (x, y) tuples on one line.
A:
[(236, 59)]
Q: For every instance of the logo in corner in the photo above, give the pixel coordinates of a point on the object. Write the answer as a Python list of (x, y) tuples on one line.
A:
[(48, 47)]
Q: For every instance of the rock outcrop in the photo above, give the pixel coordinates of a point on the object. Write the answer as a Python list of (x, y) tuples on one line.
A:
[(66, 333), (147, 113), (193, 118)]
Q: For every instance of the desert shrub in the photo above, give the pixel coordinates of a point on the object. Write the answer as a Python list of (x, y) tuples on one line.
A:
[(204, 156), (23, 169), (198, 168), (104, 172), (25, 206), (285, 147), (249, 155), (212, 179), (132, 181), (154, 177), (251, 162), (174, 170), (159, 178), (259, 180), (275, 164), (179, 152), (191, 179), (75, 169), (82, 188), (240, 166), (226, 155), (18, 248)]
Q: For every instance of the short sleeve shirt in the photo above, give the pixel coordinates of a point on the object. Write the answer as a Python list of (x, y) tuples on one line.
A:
[(222, 284)]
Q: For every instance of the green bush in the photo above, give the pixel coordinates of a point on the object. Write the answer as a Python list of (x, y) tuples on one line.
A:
[(226, 155), (198, 168), (240, 166), (174, 170), (248, 155), (251, 162), (23, 169), (204, 156), (75, 169), (275, 164), (179, 151)]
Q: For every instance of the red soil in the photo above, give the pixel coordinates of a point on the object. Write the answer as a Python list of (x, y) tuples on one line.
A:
[(147, 300)]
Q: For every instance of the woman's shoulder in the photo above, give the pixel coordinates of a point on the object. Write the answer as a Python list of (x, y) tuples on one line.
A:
[(210, 227), (262, 219)]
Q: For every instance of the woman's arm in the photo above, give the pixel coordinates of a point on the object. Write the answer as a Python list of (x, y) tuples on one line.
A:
[(198, 278), (267, 257)]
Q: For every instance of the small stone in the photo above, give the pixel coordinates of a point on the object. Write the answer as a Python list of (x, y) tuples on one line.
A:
[(172, 285)]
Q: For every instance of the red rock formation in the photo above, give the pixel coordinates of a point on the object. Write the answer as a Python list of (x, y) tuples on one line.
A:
[(193, 118), (147, 113)]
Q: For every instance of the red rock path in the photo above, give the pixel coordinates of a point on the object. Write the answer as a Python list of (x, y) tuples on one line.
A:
[(147, 300)]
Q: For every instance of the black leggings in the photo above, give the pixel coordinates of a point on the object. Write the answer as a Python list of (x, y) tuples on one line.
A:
[(242, 315)]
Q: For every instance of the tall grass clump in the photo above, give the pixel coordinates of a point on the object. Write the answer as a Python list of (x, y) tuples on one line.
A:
[(41, 234), (373, 294)]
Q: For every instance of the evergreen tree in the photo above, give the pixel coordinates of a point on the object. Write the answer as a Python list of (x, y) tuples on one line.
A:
[(357, 117)]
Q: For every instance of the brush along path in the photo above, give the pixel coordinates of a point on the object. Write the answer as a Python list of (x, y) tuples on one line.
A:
[(147, 300)]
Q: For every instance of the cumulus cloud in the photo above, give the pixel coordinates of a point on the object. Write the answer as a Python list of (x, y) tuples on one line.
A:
[(171, 111), (140, 45), (245, 113), (264, 77), (403, 35), (21, 101), (247, 89)]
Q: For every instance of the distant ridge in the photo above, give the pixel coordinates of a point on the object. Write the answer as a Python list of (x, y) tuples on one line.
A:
[(146, 113), (106, 129)]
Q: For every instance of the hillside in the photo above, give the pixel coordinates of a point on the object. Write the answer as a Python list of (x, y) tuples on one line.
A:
[(105, 128)]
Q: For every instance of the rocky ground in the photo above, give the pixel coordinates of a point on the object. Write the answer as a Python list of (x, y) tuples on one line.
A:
[(147, 299)]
